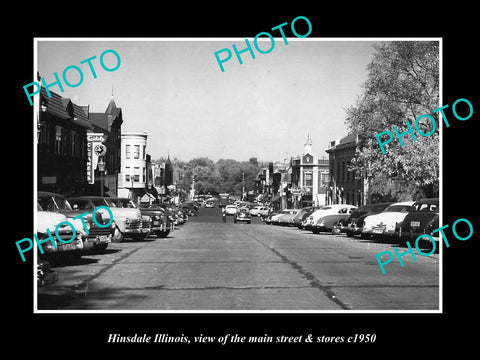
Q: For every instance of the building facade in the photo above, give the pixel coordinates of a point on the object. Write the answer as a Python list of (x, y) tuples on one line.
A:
[(345, 187), (107, 131), (62, 128), (132, 180), (309, 178)]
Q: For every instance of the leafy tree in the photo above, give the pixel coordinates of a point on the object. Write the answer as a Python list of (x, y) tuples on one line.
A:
[(403, 83)]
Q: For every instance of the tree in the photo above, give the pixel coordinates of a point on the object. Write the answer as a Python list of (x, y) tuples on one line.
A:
[(403, 83)]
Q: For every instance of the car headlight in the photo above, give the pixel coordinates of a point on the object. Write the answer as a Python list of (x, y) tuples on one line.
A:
[(127, 221)]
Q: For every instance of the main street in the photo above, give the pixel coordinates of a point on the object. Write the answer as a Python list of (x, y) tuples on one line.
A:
[(210, 265)]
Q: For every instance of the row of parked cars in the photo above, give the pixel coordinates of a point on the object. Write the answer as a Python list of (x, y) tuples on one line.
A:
[(389, 220), (130, 221)]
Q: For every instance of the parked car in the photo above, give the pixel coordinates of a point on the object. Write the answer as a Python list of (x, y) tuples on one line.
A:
[(242, 214), (97, 238), (422, 218), (348, 225), (128, 221), (327, 210), (230, 210), (274, 219), (302, 215), (382, 225), (49, 220), (259, 210), (159, 221), (326, 223), (375, 209), (268, 218), (286, 218), (210, 204)]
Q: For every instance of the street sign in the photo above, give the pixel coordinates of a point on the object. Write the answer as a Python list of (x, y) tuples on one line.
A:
[(100, 150)]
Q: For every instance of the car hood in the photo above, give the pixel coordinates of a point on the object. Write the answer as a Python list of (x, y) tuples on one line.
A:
[(121, 213), (48, 220)]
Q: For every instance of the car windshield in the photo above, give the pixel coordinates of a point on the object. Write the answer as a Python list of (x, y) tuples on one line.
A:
[(82, 204), (54, 203), (398, 208), (126, 203)]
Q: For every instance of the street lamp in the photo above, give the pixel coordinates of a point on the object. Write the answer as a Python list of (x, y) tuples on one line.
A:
[(101, 168)]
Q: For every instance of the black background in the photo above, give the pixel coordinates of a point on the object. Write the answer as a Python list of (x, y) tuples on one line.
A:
[(403, 334)]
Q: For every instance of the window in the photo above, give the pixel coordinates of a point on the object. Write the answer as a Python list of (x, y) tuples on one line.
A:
[(127, 173), (136, 175), (44, 135), (136, 152), (308, 178), (73, 142), (60, 140), (127, 151), (144, 175), (144, 146)]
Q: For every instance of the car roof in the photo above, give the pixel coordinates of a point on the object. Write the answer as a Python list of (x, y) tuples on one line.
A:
[(427, 201)]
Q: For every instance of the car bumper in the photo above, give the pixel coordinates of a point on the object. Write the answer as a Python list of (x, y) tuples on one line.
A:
[(243, 219)]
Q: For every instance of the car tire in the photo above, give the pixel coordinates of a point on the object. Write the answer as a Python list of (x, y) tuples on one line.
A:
[(316, 231), (117, 235), (249, 222)]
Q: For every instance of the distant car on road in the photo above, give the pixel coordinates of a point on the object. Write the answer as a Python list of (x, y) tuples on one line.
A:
[(243, 215), (259, 210), (210, 204), (230, 210)]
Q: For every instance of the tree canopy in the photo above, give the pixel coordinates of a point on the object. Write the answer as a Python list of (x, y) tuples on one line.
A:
[(402, 84)]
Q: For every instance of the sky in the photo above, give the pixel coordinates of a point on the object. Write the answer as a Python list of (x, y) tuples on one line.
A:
[(174, 90)]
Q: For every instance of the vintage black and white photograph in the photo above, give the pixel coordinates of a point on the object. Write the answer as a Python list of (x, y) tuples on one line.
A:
[(268, 174)]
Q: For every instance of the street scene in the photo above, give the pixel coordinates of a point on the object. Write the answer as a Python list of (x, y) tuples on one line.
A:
[(208, 264), (164, 184)]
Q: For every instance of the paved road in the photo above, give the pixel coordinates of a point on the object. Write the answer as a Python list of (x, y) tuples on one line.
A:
[(210, 265)]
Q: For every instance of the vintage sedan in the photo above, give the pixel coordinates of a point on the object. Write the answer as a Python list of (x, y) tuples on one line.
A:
[(327, 210), (259, 210), (423, 218), (47, 222), (326, 223), (230, 210), (286, 218), (97, 238), (348, 225), (242, 215), (128, 221), (302, 215), (375, 209), (268, 218), (152, 215), (382, 225)]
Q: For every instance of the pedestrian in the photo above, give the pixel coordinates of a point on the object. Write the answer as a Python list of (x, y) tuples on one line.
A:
[(224, 215)]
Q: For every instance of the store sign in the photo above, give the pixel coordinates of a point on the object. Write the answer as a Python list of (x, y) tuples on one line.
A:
[(95, 148)]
